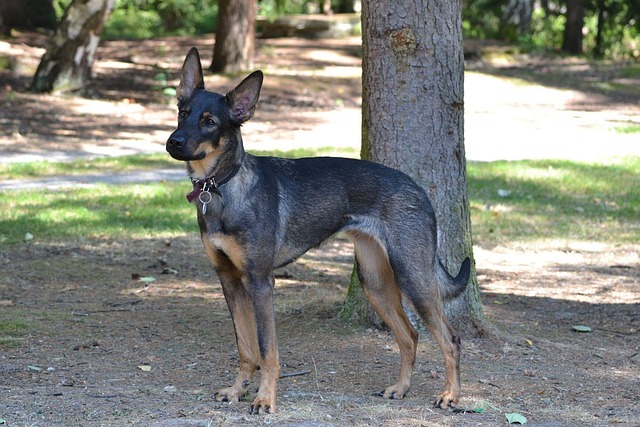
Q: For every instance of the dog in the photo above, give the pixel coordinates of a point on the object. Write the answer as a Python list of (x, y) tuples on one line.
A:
[(259, 213)]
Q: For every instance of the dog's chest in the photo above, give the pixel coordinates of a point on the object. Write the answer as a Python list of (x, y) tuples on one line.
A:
[(210, 218)]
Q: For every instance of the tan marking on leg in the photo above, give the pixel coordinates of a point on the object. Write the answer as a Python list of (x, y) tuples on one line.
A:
[(449, 344), (228, 245), (222, 251), (265, 401), (384, 295), (247, 343)]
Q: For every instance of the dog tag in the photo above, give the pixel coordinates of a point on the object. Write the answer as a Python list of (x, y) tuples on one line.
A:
[(205, 198)]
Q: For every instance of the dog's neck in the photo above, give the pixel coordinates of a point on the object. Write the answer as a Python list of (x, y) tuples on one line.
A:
[(218, 165)]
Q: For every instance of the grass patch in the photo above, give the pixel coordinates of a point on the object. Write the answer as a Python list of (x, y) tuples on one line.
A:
[(555, 199), (310, 152), (631, 71), (510, 201), (111, 165), (128, 211), (634, 128), (12, 331), (103, 165)]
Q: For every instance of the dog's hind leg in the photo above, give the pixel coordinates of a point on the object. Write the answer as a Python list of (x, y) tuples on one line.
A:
[(380, 288), (422, 289)]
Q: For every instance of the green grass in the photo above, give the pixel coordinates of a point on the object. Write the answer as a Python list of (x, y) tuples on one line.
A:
[(32, 170), (633, 128), (127, 211), (12, 331), (546, 200), (86, 167), (555, 200)]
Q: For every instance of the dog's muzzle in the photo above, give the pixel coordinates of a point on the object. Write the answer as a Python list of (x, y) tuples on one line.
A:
[(178, 148)]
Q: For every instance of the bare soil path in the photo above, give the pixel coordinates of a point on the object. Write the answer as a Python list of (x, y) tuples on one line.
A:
[(98, 348)]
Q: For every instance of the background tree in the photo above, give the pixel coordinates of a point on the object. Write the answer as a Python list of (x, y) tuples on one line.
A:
[(412, 119), (66, 64), (572, 37), (516, 18), (27, 15), (234, 46)]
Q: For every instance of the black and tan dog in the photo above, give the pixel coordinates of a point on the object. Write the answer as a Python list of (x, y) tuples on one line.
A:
[(259, 213)]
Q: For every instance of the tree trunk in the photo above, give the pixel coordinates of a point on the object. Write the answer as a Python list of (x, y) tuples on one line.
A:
[(412, 119), (66, 65), (598, 50), (516, 15), (233, 50), (27, 15), (572, 39)]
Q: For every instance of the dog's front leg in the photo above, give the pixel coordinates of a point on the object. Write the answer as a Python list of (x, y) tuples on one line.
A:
[(262, 290), (241, 308)]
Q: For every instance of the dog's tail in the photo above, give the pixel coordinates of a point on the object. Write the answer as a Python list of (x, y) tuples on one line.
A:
[(451, 287)]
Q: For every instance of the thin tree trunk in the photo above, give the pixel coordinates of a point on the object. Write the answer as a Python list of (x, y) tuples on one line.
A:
[(572, 39), (412, 118), (234, 47), (598, 50), (66, 65)]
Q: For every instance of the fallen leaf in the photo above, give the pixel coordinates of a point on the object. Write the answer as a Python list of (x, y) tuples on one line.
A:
[(28, 236), (147, 279), (34, 368), (514, 418), (529, 342), (145, 368), (581, 328), (458, 410)]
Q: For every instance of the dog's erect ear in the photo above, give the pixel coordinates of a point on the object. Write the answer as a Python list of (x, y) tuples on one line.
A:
[(242, 100), (192, 78)]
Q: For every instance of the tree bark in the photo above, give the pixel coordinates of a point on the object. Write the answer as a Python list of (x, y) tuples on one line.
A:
[(572, 38), (412, 119), (27, 14), (601, 7), (234, 47), (517, 15), (66, 64)]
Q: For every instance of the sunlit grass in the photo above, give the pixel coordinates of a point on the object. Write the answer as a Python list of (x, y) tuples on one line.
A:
[(510, 202), (110, 165), (631, 128), (124, 211), (555, 199)]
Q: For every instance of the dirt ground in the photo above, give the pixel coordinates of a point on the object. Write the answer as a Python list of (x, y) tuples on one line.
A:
[(99, 348)]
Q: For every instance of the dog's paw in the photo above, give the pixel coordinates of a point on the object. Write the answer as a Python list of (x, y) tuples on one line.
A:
[(229, 394), (262, 406), (446, 400), (396, 391)]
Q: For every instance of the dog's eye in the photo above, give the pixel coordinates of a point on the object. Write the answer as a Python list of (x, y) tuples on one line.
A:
[(210, 122), (182, 114)]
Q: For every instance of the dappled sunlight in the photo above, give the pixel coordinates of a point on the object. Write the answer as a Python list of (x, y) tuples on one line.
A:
[(575, 272), (175, 287)]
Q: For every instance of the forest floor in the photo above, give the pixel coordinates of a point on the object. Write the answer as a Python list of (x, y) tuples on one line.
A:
[(97, 348)]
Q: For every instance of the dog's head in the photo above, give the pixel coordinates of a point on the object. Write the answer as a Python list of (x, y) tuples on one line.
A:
[(208, 122)]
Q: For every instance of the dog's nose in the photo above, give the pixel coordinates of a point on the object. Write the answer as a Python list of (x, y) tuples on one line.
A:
[(175, 142)]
